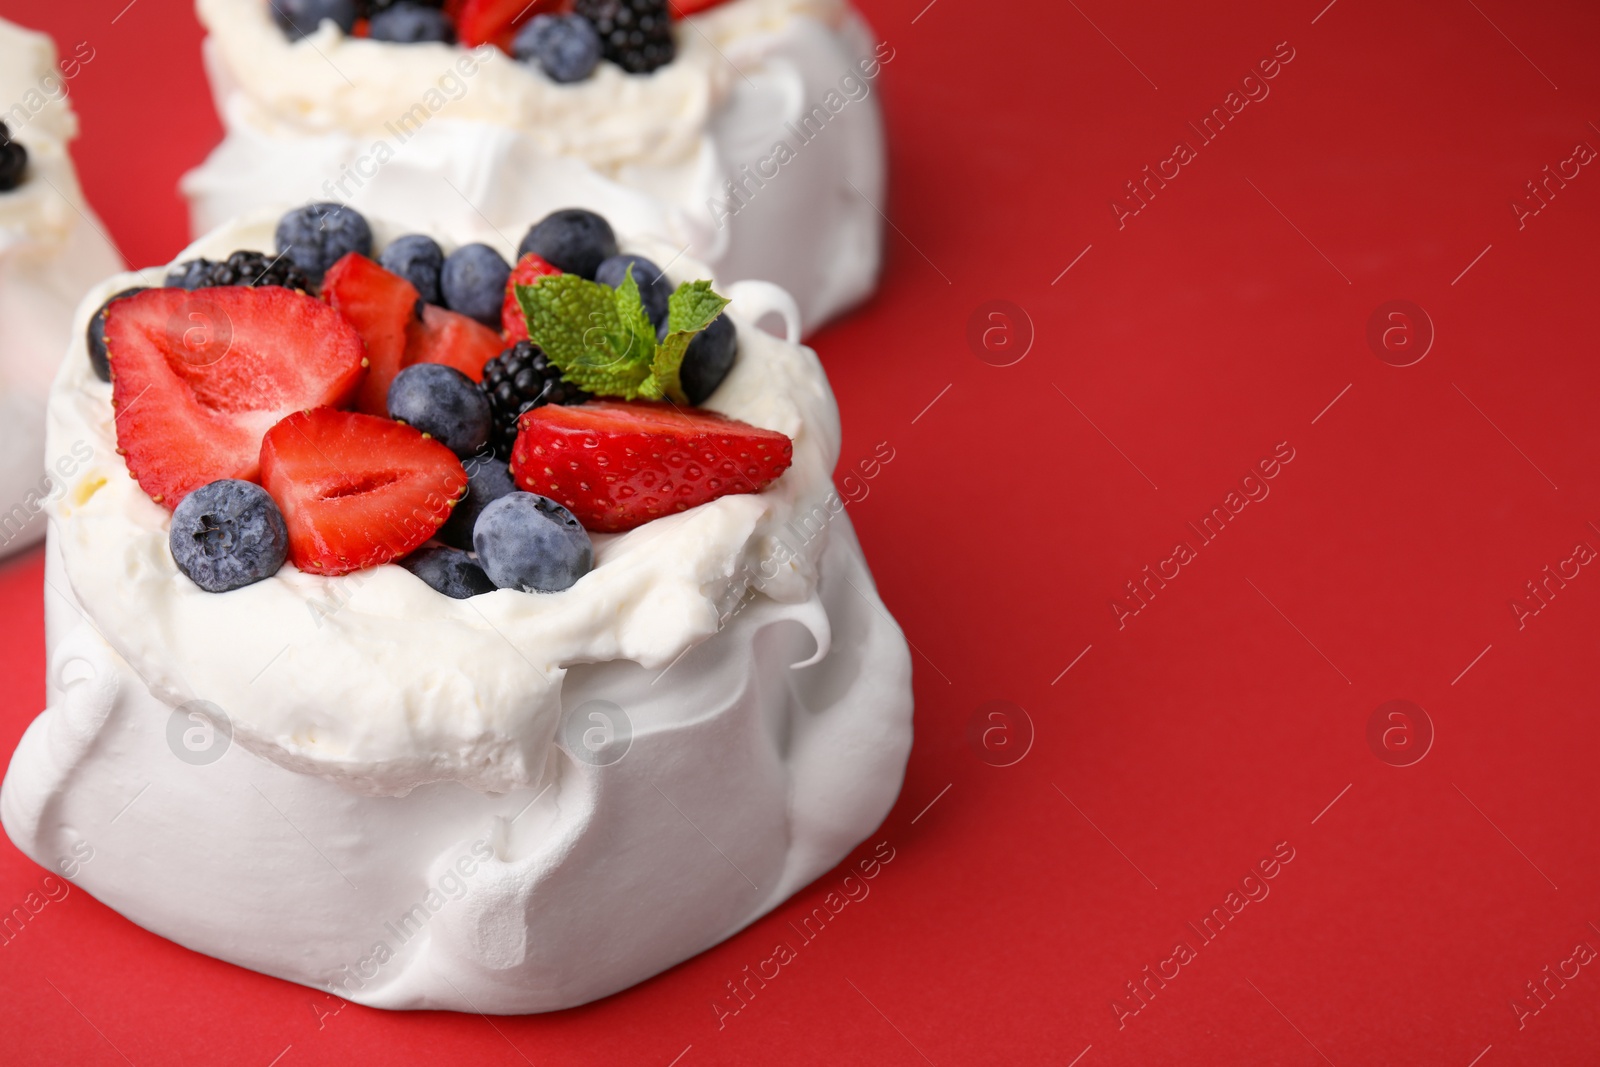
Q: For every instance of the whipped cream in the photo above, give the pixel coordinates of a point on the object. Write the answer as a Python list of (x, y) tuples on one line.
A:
[(447, 135), (509, 804), (52, 249)]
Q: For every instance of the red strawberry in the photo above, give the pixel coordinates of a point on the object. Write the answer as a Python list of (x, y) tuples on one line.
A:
[(380, 305), (198, 377), (685, 8), (442, 336), (617, 465), (357, 491), (497, 21), (529, 269)]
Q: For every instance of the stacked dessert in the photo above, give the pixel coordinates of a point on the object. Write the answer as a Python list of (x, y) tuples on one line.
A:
[(447, 625), (51, 251), (746, 133)]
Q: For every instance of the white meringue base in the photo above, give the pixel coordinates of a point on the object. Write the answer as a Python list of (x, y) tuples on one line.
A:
[(814, 228), (745, 780)]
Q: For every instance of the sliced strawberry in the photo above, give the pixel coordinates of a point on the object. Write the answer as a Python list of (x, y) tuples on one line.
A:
[(685, 8), (529, 269), (617, 465), (496, 21), (198, 377), (357, 491), (380, 305), (442, 336)]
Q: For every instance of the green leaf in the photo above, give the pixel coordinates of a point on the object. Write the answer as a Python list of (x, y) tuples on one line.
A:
[(640, 333), (578, 325), (690, 309)]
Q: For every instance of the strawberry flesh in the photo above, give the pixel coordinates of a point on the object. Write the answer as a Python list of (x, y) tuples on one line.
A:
[(446, 337), (357, 491), (199, 377), (496, 21), (617, 465), (380, 305), (529, 269)]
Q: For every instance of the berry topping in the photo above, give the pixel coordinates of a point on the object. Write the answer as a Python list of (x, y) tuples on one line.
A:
[(636, 34), (619, 465), (13, 160), (444, 404), (316, 236), (520, 379), (496, 21), (199, 377), (529, 542), (449, 570), (708, 360), (96, 335), (300, 18), (241, 268), (442, 336), (529, 269), (572, 240), (654, 289), (565, 47), (684, 8), (380, 306), (474, 282), (228, 534), (356, 491), (488, 479), (418, 260), (412, 23)]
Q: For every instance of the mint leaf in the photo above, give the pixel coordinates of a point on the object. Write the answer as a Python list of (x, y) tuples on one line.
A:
[(640, 333), (690, 309), (577, 323)]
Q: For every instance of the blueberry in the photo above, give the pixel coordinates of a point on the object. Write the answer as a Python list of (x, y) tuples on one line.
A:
[(449, 570), (488, 479), (709, 358), (318, 235), (654, 289), (566, 47), (299, 18), (98, 359), (13, 160), (228, 534), (412, 23), (474, 283), (419, 260), (530, 542), (443, 403), (572, 240)]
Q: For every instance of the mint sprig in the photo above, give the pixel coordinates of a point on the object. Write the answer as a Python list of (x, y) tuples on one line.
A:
[(603, 341)]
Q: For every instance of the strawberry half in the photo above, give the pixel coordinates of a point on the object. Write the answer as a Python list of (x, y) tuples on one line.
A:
[(357, 491), (685, 8), (617, 465), (496, 21), (529, 269), (442, 336), (380, 305), (198, 377)]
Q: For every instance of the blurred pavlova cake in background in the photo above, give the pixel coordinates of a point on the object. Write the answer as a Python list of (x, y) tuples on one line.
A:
[(52, 249), (745, 133)]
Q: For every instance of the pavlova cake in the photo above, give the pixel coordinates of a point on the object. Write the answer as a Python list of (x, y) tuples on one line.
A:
[(52, 249), (746, 133), (445, 634)]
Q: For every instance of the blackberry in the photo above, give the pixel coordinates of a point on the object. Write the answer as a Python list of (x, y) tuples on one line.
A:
[(13, 160), (241, 268), (520, 378), (636, 35)]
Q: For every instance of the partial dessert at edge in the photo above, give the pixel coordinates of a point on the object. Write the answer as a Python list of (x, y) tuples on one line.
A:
[(52, 249), (469, 630), (745, 133)]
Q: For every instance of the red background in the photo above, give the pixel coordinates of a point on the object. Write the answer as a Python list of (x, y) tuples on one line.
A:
[(1225, 716)]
